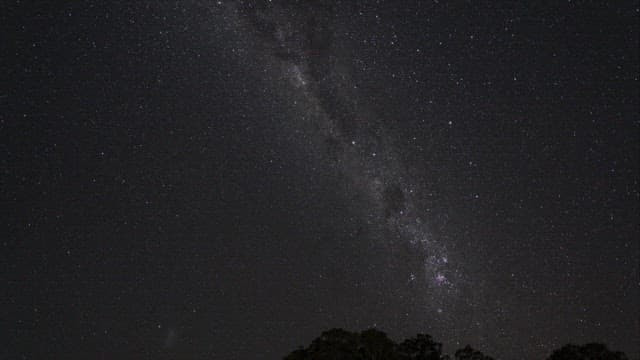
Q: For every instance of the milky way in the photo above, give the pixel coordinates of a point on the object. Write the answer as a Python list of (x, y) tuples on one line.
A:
[(332, 119)]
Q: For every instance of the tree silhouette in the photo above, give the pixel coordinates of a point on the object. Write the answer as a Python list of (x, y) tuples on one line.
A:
[(341, 344), (590, 351), (469, 353), (422, 347), (373, 344), (370, 344)]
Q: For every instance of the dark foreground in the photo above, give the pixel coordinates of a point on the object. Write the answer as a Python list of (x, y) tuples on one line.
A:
[(336, 344)]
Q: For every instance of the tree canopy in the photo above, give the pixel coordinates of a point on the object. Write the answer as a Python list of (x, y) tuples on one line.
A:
[(587, 351), (373, 344)]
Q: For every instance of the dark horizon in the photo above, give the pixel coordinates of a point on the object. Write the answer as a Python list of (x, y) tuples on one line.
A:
[(220, 179), (373, 344)]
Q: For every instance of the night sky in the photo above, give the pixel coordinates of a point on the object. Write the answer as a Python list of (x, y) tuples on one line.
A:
[(227, 179)]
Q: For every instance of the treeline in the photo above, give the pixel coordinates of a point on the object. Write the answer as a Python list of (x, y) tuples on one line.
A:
[(372, 344)]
